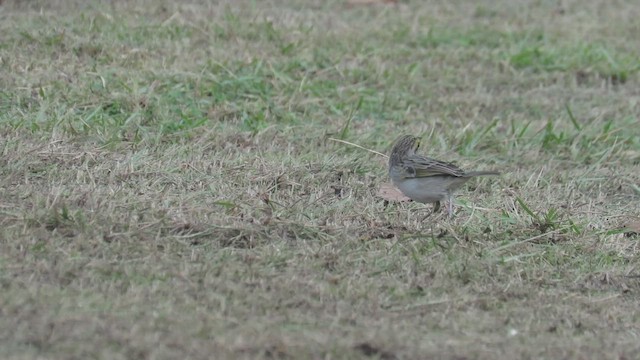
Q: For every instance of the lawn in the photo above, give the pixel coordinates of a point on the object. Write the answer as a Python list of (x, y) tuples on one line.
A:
[(199, 179)]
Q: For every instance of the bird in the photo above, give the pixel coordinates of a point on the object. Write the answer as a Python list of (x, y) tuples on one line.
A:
[(423, 179)]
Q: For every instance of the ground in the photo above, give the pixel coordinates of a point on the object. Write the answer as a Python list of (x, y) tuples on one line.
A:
[(196, 179)]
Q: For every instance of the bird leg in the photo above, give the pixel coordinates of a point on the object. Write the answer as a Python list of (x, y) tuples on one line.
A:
[(450, 206), (436, 207)]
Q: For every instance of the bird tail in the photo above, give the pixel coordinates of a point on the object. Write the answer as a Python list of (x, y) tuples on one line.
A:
[(480, 173)]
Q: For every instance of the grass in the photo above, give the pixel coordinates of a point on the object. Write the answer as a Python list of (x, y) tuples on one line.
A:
[(170, 187)]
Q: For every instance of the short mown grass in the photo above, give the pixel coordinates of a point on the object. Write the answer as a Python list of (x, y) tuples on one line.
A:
[(172, 184)]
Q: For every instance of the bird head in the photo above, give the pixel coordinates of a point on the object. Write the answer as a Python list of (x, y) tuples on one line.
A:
[(404, 146)]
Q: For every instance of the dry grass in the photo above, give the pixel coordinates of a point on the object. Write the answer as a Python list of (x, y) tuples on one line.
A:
[(169, 188)]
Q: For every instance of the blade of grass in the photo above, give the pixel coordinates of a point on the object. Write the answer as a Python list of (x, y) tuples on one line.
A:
[(571, 117), (527, 210)]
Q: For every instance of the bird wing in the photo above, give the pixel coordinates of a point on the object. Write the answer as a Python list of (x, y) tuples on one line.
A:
[(423, 167)]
